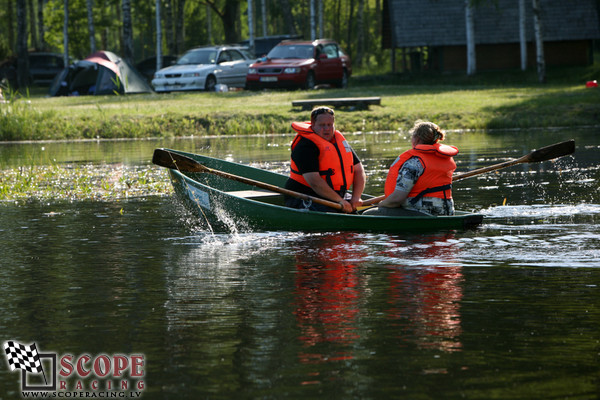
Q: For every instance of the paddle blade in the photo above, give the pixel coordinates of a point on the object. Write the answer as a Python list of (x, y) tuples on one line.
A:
[(169, 159), (553, 151)]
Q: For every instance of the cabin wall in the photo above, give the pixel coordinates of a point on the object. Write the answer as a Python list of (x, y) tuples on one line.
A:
[(508, 56)]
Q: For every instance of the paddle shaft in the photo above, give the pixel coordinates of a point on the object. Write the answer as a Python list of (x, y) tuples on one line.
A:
[(545, 153), (168, 159)]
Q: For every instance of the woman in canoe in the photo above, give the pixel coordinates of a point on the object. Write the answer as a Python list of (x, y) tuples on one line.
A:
[(420, 180), (324, 165)]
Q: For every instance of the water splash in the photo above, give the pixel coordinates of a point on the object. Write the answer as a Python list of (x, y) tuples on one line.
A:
[(542, 210)]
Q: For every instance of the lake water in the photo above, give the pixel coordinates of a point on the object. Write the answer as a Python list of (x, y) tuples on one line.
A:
[(510, 310)]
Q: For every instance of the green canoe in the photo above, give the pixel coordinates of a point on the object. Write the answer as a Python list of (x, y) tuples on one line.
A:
[(225, 202)]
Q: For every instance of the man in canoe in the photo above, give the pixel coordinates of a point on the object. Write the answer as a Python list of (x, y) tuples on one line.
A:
[(420, 180), (324, 165)]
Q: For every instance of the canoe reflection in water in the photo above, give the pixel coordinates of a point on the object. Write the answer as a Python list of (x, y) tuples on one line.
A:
[(425, 299), (327, 292), (420, 300)]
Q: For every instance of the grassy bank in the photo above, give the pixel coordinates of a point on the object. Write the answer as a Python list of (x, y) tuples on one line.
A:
[(504, 100)]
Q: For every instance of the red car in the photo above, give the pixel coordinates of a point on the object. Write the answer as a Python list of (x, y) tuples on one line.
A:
[(301, 64)]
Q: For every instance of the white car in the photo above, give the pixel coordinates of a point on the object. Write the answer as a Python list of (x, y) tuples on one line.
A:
[(204, 68)]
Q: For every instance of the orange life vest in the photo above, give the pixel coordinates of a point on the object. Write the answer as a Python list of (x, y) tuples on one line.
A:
[(336, 162), (439, 165)]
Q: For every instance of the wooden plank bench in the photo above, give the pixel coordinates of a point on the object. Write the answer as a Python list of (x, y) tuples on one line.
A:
[(360, 103)]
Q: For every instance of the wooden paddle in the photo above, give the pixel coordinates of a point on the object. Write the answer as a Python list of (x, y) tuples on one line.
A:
[(169, 159), (544, 154)]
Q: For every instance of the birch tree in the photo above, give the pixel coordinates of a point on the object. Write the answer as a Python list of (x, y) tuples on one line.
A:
[(66, 33), (158, 37), (523, 34), (470, 30), (263, 14), (251, 25), (91, 30), (539, 41)]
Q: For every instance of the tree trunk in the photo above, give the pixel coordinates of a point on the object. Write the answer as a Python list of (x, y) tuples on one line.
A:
[(158, 37), (66, 33), (91, 30), (379, 31), (321, 13), (251, 25), (313, 20), (523, 35), (32, 25), (209, 24), (180, 26), (350, 19), (470, 28), (230, 17), (127, 31), (40, 25), (10, 18), (171, 47), (539, 41), (22, 56), (337, 24), (360, 29), (286, 9), (263, 12)]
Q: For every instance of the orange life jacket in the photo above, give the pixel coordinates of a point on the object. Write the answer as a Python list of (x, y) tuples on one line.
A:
[(436, 181), (336, 162)]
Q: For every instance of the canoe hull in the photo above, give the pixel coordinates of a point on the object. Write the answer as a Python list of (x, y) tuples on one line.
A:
[(228, 205)]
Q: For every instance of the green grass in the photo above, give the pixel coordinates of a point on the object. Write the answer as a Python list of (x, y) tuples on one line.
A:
[(494, 100)]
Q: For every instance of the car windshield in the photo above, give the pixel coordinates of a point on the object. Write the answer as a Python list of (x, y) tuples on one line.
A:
[(200, 56), (291, 51)]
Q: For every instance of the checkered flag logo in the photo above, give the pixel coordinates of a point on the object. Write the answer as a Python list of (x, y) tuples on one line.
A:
[(23, 357)]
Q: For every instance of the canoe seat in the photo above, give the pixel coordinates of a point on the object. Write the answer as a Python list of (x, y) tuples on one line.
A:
[(262, 195), (253, 194)]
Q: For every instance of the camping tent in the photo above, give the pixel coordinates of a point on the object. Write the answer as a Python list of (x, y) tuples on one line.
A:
[(100, 73)]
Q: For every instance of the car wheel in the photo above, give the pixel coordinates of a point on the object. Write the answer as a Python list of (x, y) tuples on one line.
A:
[(343, 83), (310, 81), (211, 83)]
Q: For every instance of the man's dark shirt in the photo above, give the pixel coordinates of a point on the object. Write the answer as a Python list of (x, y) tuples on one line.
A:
[(306, 156)]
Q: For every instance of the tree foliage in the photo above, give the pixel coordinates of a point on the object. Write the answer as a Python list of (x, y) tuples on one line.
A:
[(189, 23)]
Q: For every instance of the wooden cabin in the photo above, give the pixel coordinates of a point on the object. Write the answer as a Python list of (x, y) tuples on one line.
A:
[(431, 34)]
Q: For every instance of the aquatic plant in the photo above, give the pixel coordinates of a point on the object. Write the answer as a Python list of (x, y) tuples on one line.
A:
[(105, 182)]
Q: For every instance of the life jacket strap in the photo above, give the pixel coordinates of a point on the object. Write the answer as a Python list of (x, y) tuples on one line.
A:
[(442, 188)]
